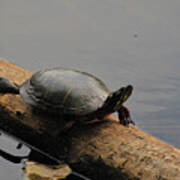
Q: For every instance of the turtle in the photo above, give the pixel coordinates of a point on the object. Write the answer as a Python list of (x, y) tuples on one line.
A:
[(75, 95)]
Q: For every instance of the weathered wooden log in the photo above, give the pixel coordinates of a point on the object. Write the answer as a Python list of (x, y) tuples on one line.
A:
[(104, 150)]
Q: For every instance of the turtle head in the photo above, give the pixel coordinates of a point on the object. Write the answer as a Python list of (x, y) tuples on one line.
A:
[(115, 99), (8, 87), (114, 102)]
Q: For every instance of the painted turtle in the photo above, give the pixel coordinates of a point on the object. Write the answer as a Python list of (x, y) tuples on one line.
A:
[(72, 94)]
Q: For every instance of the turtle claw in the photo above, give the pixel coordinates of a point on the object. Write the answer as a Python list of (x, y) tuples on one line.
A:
[(115, 100), (127, 121)]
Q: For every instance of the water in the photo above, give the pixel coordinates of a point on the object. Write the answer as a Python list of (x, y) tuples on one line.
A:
[(122, 42), (11, 170)]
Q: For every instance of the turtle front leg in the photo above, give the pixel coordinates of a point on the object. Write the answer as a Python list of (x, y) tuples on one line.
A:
[(124, 116)]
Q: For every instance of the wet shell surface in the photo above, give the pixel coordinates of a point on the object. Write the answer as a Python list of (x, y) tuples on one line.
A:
[(64, 91)]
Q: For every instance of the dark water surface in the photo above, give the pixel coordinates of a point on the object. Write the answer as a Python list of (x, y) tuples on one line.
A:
[(121, 41)]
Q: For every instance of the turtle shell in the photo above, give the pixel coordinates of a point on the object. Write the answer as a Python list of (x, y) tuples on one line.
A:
[(64, 91)]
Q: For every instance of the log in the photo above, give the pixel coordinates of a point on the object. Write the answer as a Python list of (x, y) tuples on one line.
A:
[(101, 150)]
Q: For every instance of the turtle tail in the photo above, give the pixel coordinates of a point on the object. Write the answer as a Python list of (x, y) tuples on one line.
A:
[(114, 101), (7, 87)]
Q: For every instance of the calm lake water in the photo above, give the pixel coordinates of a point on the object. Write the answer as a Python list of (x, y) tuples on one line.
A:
[(121, 41)]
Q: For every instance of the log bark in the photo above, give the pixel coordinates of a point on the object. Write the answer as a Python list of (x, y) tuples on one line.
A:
[(104, 150)]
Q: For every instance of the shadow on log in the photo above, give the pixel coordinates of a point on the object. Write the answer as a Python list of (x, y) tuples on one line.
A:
[(104, 150)]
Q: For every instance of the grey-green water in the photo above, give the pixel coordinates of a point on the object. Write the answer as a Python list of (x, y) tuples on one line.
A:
[(121, 41)]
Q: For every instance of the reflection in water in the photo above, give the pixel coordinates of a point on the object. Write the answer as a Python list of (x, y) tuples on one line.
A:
[(37, 156), (33, 156), (12, 158)]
